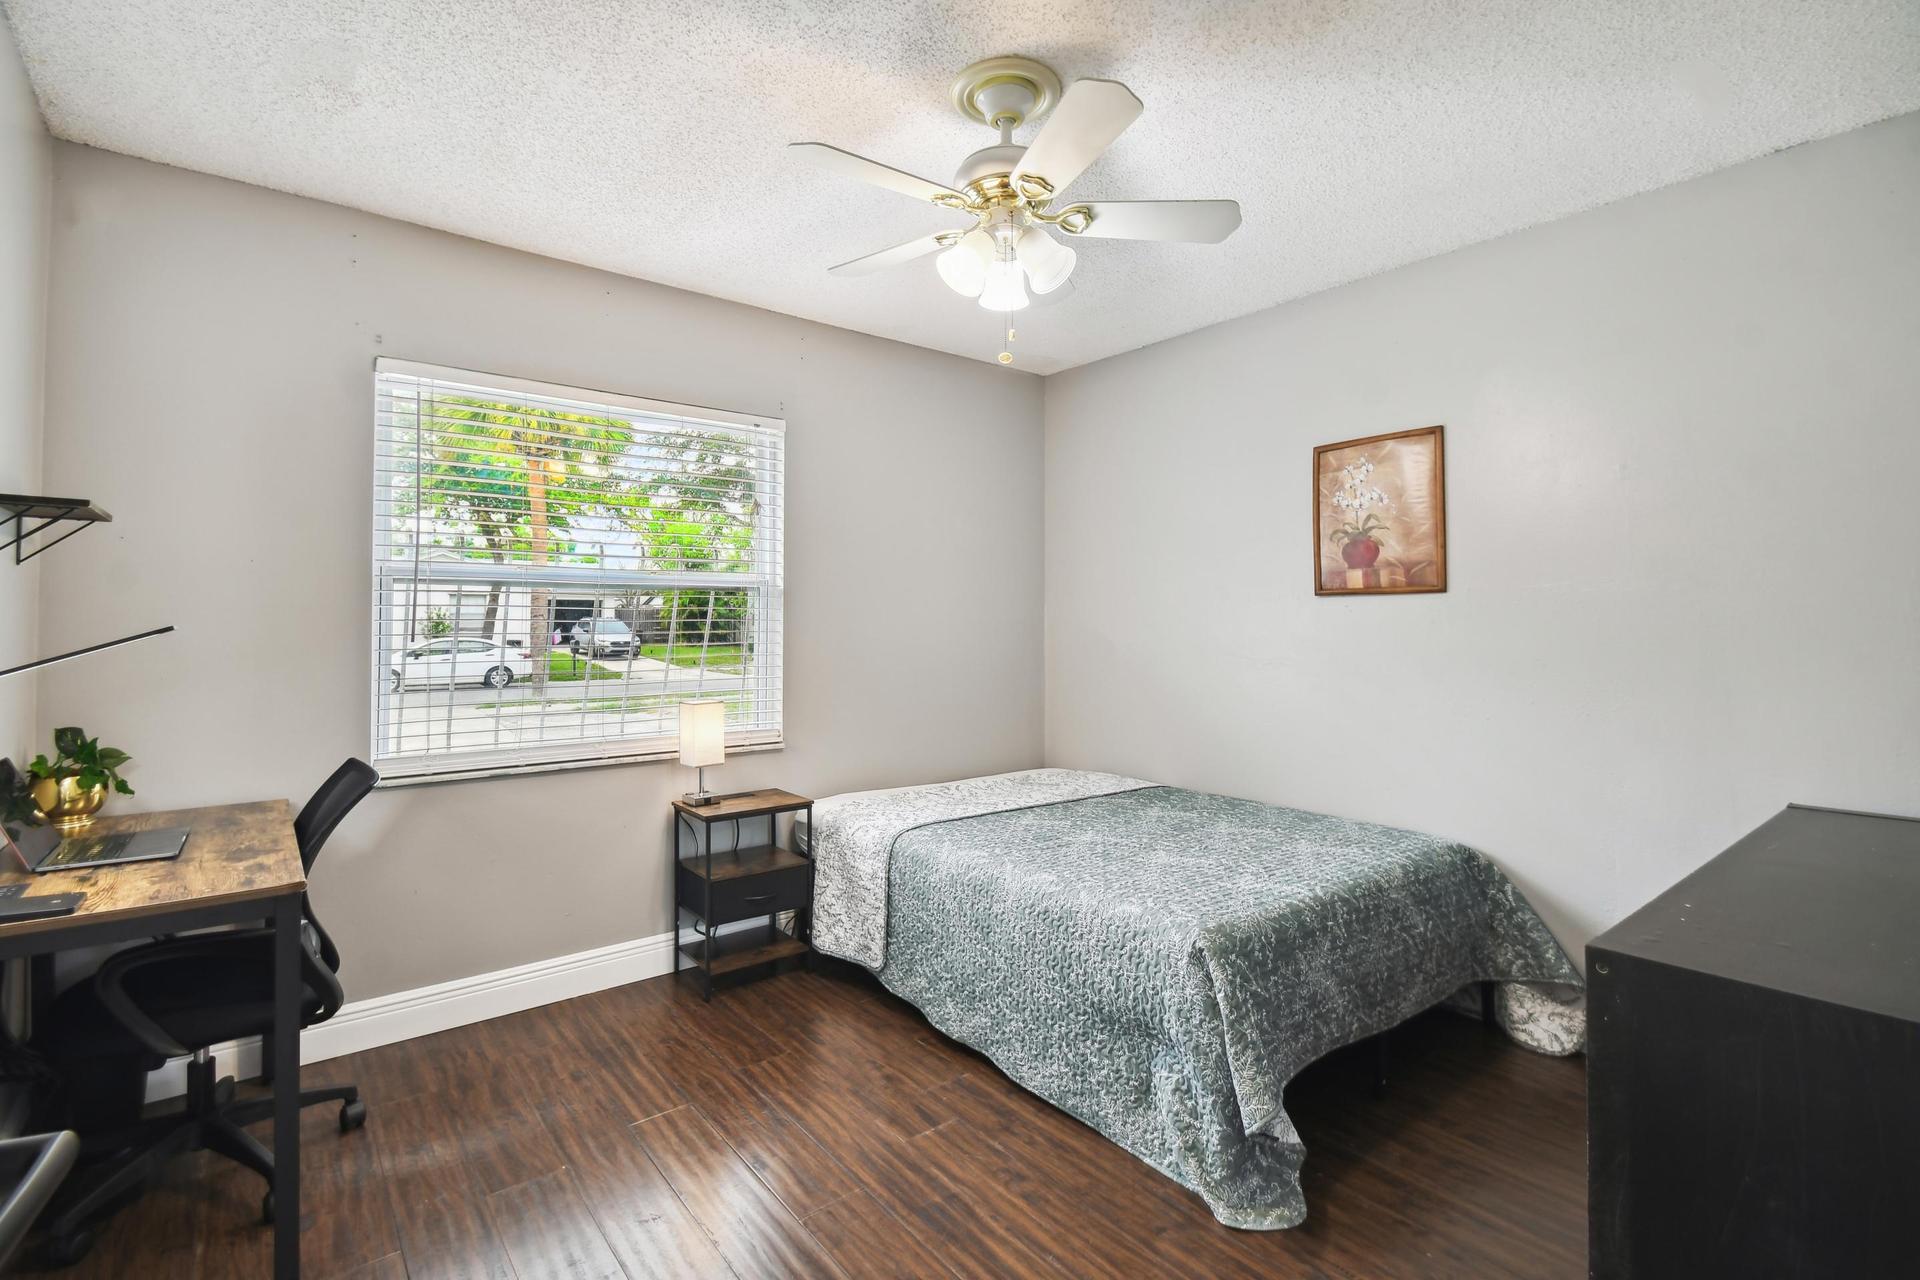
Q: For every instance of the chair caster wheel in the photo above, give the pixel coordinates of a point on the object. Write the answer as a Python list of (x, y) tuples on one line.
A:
[(67, 1249), (352, 1115), (266, 1208)]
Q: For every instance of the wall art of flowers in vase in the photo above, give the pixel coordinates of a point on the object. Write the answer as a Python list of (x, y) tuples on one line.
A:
[(1379, 515)]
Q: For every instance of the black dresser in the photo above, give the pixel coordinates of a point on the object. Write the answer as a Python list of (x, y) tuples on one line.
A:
[(1754, 1062)]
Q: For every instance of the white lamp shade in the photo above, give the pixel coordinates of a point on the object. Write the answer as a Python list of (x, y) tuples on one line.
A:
[(703, 733), (1048, 262), (964, 267), (1005, 290)]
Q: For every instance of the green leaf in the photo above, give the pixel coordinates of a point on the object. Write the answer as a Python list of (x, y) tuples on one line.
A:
[(68, 741), (113, 757), (120, 785), (41, 767)]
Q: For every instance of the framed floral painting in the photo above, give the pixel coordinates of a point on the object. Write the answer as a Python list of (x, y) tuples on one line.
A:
[(1380, 515)]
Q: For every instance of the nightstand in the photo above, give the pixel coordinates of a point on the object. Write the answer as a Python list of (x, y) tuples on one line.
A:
[(749, 876)]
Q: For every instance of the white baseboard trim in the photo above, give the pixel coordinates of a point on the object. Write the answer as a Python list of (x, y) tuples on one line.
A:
[(389, 1019)]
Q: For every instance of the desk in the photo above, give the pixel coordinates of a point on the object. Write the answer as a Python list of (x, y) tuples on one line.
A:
[(240, 865)]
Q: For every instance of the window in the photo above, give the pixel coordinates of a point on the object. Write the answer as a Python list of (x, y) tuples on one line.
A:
[(556, 570)]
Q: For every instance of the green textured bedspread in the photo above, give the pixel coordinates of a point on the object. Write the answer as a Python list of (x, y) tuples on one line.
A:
[(1160, 963)]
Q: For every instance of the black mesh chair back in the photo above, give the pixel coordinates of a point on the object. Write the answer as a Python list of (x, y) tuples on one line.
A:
[(335, 799), (347, 787)]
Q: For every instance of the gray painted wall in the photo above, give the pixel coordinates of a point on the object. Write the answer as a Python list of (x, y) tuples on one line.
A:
[(210, 382), (1681, 433), (26, 187), (1683, 437)]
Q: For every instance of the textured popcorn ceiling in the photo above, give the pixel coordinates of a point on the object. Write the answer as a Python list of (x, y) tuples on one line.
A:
[(645, 137)]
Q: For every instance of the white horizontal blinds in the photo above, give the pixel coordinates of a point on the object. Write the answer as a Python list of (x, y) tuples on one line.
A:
[(556, 570)]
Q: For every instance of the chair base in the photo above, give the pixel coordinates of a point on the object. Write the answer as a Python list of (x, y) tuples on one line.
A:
[(128, 1160)]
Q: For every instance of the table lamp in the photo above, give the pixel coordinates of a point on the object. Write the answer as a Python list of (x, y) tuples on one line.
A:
[(703, 741)]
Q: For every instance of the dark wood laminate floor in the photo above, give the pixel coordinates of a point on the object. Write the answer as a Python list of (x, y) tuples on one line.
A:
[(812, 1125)]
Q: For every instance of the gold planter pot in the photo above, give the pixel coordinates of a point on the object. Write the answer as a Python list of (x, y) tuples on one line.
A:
[(66, 804)]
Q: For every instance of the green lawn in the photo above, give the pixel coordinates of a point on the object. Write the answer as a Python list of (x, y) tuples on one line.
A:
[(562, 665), (720, 657)]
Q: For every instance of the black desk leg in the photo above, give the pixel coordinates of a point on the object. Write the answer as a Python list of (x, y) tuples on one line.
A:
[(286, 1087)]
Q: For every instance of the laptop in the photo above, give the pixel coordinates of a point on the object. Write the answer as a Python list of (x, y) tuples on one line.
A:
[(41, 849)]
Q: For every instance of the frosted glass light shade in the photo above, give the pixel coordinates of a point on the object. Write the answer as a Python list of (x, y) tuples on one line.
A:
[(1005, 290), (964, 267), (703, 733), (1047, 261)]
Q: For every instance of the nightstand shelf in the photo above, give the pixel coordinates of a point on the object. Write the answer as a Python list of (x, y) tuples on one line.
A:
[(744, 804), (732, 951), (739, 883)]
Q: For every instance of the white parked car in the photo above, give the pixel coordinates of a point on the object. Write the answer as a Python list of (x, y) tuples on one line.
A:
[(464, 660)]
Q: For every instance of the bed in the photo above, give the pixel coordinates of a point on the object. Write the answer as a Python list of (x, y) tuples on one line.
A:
[(1160, 962)]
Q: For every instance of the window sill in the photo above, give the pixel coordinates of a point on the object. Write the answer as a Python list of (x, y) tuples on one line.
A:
[(483, 772)]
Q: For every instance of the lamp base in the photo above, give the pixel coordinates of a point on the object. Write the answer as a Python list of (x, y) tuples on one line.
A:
[(700, 797)]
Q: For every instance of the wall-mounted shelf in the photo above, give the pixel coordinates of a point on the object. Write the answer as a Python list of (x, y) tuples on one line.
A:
[(22, 509), (32, 516)]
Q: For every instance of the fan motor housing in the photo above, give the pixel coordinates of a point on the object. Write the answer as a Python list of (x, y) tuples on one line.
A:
[(988, 162)]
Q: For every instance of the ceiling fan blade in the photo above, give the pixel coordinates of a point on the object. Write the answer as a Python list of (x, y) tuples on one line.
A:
[(1053, 299), (888, 257), (849, 165), (1187, 221), (1091, 114)]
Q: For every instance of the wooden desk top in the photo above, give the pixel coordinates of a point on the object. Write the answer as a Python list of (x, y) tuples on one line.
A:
[(234, 852)]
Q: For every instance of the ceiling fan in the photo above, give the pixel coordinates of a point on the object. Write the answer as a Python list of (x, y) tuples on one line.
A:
[(1010, 191)]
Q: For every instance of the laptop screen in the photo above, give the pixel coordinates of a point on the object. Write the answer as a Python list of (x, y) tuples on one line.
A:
[(34, 842)]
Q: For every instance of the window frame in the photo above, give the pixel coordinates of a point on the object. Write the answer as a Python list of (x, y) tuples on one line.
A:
[(770, 586)]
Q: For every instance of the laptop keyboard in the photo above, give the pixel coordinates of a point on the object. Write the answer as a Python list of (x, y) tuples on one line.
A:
[(93, 849)]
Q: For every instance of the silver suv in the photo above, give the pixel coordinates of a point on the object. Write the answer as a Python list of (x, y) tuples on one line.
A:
[(602, 638)]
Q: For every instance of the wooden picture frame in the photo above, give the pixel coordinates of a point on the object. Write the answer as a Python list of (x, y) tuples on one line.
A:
[(1380, 515)]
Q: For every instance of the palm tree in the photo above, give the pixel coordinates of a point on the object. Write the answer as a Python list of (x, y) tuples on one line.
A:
[(513, 475)]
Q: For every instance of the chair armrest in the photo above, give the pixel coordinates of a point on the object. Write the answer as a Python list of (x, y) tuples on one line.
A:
[(110, 982)]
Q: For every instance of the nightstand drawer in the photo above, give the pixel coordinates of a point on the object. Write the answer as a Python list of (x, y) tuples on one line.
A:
[(743, 897)]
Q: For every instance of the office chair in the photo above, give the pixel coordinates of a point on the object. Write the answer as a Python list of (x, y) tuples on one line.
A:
[(174, 998)]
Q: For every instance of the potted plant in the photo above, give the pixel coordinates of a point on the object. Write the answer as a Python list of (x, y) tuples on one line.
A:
[(70, 788), (1359, 537)]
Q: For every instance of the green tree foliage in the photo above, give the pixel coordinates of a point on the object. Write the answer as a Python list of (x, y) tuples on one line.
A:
[(510, 478), (697, 514), (506, 482)]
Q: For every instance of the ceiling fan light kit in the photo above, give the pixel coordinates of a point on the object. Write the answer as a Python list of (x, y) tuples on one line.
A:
[(1009, 190)]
